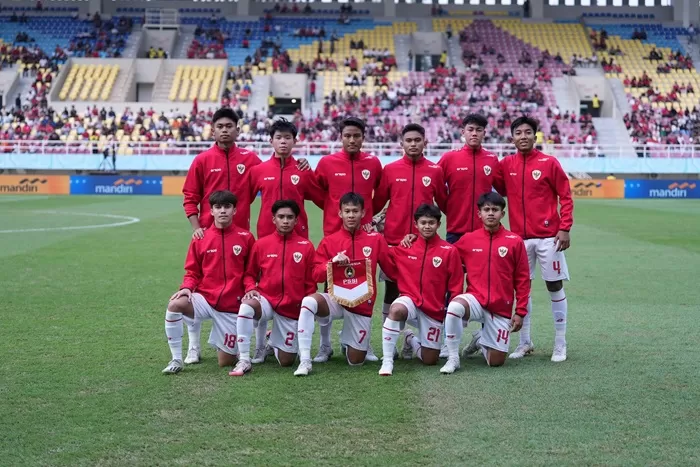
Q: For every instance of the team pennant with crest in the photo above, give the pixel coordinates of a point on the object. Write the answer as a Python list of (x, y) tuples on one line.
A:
[(350, 284)]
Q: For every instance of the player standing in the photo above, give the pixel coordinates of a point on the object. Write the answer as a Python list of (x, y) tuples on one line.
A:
[(406, 184), (468, 172), (279, 276), (425, 273), (541, 212), (497, 269), (213, 284), (347, 171), (350, 243), (224, 166)]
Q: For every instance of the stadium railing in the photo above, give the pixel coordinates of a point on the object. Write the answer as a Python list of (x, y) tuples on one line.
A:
[(306, 149)]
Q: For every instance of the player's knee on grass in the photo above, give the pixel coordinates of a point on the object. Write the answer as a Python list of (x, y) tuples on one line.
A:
[(285, 359), (430, 356), (398, 312), (495, 357), (554, 286), (355, 357), (181, 305), (391, 292), (226, 359)]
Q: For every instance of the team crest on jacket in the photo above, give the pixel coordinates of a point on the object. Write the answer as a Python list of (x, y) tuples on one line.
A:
[(366, 174), (297, 256), (502, 251), (426, 181), (487, 170), (295, 179), (367, 250), (437, 261), (237, 249), (240, 168), (536, 174)]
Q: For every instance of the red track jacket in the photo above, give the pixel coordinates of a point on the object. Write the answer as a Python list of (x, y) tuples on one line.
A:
[(468, 174), (215, 266), (496, 266), (535, 185), (426, 272), (276, 182), (281, 269), (215, 170), (407, 185), (357, 245), (339, 174)]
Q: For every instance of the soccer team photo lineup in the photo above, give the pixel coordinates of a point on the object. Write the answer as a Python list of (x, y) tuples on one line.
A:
[(379, 224)]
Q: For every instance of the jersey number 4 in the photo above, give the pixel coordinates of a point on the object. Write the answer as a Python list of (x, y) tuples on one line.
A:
[(556, 265)]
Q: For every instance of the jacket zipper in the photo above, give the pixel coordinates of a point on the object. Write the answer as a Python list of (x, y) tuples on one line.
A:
[(284, 251), (353, 246), (422, 267), (223, 258), (413, 191), (281, 174), (488, 271), (524, 216), (352, 175), (471, 211), (228, 169)]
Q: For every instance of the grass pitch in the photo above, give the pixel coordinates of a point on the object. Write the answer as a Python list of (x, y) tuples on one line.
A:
[(83, 346)]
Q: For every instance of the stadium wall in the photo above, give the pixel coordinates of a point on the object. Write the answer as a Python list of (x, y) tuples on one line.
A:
[(117, 185)]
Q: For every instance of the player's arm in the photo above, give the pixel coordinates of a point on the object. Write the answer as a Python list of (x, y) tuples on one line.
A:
[(566, 202), (252, 272), (313, 190), (499, 182), (193, 191), (252, 183), (521, 284), (193, 268), (381, 193), (440, 194), (310, 283), (455, 283), (321, 260), (386, 260)]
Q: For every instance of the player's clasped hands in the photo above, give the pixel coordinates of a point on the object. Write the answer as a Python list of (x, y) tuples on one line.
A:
[(182, 293)]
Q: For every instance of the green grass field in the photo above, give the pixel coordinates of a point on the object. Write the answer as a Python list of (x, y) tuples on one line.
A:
[(83, 346)]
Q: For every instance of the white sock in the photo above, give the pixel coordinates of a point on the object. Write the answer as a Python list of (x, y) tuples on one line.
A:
[(454, 328), (525, 330), (173, 330), (413, 341), (305, 327), (485, 353), (385, 311), (194, 329), (244, 325), (560, 308), (325, 333), (260, 335), (390, 334)]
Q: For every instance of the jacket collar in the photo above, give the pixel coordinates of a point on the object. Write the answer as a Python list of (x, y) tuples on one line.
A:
[(497, 233), (278, 161), (534, 153), (226, 230), (221, 152), (347, 155), (409, 161), (435, 239)]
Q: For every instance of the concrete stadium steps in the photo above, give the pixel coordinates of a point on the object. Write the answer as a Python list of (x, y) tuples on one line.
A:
[(402, 45), (454, 53), (612, 132), (259, 92), (566, 100), (618, 90), (131, 48)]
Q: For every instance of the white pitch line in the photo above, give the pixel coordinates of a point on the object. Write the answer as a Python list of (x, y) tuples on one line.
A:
[(127, 220), (10, 199)]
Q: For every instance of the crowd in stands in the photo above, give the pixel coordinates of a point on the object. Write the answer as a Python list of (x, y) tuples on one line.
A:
[(207, 43), (647, 125), (101, 38)]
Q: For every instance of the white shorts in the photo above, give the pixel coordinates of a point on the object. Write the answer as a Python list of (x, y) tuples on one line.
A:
[(356, 328), (223, 330), (429, 330), (284, 330), (496, 331), (552, 263)]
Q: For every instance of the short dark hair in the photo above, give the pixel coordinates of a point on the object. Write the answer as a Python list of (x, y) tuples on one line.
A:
[(283, 126), (413, 127), (353, 121), (491, 198), (286, 203), (352, 198), (427, 210), (224, 112), (475, 119), (524, 120), (222, 197)]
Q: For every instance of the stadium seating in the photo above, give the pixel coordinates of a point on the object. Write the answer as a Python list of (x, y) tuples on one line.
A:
[(201, 82), (89, 83)]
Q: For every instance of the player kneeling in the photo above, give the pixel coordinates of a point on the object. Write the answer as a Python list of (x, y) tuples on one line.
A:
[(352, 249), (497, 268), (425, 271), (278, 277), (213, 284)]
